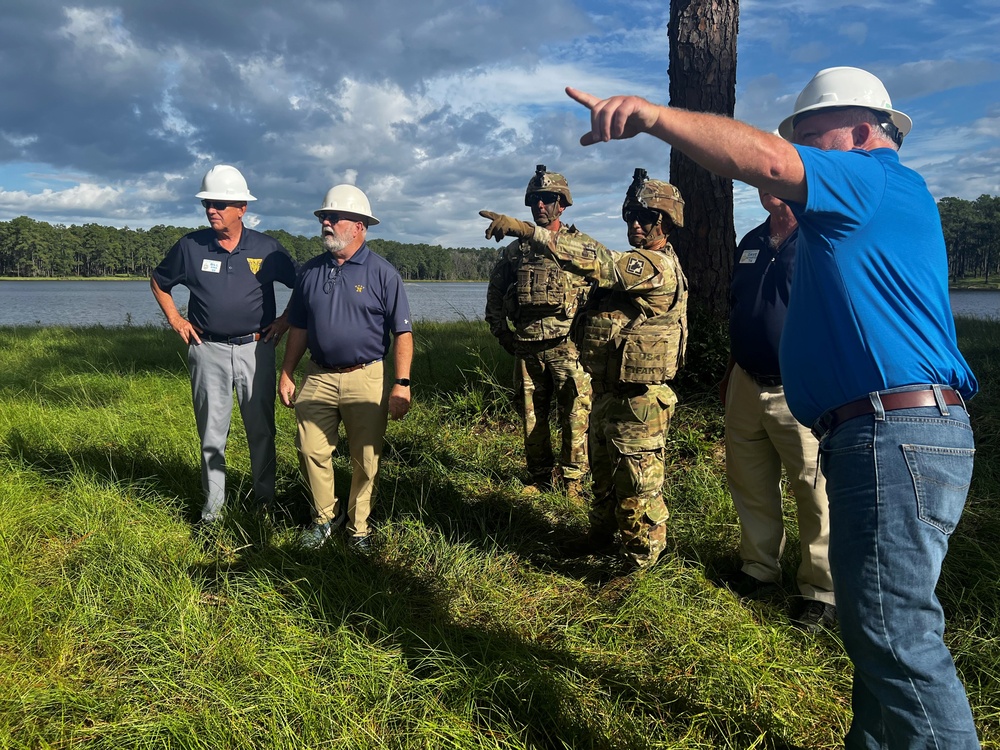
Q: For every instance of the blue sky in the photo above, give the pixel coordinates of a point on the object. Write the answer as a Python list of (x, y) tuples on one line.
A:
[(113, 111)]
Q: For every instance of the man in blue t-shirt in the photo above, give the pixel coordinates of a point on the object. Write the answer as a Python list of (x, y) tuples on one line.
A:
[(231, 330), (762, 436), (869, 360), (347, 305)]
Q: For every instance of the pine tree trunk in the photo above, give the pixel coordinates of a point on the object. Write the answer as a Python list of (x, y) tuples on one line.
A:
[(702, 37)]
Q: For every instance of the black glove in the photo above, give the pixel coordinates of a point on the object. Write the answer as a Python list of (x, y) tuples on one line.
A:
[(504, 226), (506, 340)]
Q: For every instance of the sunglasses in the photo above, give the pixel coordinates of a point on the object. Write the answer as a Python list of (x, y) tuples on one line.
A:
[(545, 197), (218, 205), (642, 216), (333, 217)]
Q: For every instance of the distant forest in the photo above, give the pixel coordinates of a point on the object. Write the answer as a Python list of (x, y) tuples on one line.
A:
[(36, 249)]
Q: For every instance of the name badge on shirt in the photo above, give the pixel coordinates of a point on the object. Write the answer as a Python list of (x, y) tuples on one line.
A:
[(214, 266), (749, 256)]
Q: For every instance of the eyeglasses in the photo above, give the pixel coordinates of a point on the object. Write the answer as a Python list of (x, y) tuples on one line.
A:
[(332, 278), (218, 205), (333, 217), (642, 216), (545, 197)]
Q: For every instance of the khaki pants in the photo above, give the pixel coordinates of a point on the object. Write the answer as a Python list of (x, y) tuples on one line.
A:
[(360, 400), (761, 437)]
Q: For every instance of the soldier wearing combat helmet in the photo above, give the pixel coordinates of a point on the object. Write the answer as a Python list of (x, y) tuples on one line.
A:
[(632, 337), (530, 307)]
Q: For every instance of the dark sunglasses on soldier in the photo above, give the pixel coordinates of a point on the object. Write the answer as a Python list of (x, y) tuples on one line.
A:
[(643, 216), (217, 205), (543, 196)]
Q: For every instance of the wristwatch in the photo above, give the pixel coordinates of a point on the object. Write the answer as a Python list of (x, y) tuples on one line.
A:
[(403, 382)]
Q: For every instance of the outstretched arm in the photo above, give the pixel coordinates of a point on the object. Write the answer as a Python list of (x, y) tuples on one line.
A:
[(727, 147)]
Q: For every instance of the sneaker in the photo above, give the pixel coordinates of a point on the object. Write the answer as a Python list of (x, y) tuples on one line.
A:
[(360, 544), (745, 586), (815, 616), (316, 535)]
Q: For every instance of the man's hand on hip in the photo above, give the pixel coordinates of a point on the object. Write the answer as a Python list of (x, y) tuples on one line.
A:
[(276, 330), (186, 330)]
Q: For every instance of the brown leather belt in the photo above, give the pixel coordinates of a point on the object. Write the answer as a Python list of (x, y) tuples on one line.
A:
[(890, 402), (350, 368)]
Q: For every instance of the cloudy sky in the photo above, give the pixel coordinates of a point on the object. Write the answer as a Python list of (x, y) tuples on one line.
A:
[(113, 111)]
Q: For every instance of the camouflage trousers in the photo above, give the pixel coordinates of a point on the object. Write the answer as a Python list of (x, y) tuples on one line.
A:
[(546, 369), (627, 443)]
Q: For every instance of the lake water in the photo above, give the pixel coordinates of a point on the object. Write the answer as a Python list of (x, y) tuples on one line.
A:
[(118, 303)]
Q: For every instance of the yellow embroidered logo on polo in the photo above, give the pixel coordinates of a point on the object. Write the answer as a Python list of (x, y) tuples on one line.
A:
[(359, 288), (254, 264)]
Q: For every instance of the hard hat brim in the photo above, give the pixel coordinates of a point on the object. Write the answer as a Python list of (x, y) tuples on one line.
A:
[(214, 196)]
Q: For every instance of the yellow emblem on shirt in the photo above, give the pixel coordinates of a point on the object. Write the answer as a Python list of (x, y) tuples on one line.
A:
[(359, 288), (254, 264)]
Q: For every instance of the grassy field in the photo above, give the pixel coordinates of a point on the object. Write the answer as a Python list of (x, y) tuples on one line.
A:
[(120, 629)]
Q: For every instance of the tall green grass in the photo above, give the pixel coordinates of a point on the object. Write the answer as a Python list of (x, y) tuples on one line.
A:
[(120, 629)]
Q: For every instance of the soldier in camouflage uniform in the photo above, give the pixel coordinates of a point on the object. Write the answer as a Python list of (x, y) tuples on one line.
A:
[(529, 291), (632, 337)]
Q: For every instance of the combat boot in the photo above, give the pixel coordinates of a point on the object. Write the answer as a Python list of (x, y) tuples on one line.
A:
[(594, 542), (574, 489)]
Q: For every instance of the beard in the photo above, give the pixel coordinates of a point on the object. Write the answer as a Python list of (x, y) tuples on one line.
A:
[(334, 243)]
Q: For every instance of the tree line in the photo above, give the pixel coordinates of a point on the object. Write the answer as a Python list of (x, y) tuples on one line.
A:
[(972, 236), (36, 249)]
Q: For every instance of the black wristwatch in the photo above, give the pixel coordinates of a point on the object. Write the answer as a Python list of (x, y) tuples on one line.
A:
[(403, 382)]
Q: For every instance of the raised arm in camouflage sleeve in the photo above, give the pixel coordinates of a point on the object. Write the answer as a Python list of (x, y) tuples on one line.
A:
[(635, 271)]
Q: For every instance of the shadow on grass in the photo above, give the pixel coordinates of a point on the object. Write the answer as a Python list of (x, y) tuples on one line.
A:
[(165, 477), (515, 687)]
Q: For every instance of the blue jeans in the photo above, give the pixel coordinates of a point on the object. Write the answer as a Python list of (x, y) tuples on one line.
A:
[(897, 483)]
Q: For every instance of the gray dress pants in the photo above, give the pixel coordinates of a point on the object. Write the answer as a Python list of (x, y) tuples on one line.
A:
[(217, 370)]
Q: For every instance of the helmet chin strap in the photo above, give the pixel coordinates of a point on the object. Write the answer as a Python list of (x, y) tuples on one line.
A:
[(548, 214), (655, 238)]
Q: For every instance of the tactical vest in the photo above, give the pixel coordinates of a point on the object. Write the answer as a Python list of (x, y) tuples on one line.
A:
[(543, 289), (622, 339)]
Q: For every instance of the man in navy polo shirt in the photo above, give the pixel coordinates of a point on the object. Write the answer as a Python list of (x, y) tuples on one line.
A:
[(762, 436), (231, 330), (347, 305)]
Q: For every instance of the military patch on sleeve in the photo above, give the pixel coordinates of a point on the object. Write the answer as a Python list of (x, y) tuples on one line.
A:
[(635, 266), (254, 264), (588, 252)]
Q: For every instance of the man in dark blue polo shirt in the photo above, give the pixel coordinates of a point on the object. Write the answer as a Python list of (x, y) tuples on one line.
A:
[(231, 330), (347, 305), (762, 436)]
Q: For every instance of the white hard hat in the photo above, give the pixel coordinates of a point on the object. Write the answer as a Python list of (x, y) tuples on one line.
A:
[(224, 183), (347, 199), (844, 87)]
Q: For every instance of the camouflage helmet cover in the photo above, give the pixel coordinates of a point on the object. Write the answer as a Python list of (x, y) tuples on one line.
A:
[(656, 194), (549, 182)]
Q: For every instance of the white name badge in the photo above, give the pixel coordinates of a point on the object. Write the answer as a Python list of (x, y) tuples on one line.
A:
[(749, 256), (214, 266)]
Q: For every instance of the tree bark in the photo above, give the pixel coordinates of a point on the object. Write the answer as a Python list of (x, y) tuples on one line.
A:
[(702, 37)]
